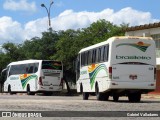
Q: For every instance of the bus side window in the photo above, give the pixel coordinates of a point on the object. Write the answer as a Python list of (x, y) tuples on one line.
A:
[(105, 53), (99, 54), (94, 52), (30, 69), (102, 53), (26, 70), (82, 59), (106, 50), (36, 67), (85, 58), (89, 57), (11, 71)]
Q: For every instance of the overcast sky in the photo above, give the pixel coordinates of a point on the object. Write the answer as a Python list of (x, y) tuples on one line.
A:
[(25, 19)]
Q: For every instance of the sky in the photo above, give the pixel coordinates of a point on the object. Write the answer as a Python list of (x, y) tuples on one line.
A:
[(22, 20)]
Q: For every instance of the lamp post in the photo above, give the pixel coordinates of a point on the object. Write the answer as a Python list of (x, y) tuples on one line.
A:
[(48, 12)]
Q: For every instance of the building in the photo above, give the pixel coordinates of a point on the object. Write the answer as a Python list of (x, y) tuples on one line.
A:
[(149, 30)]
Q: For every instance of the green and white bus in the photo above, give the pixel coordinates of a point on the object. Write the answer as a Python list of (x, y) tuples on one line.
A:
[(32, 76), (119, 66)]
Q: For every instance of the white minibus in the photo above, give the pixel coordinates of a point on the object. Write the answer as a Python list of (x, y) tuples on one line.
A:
[(32, 76)]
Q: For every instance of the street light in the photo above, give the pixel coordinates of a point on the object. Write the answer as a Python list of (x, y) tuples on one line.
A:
[(48, 12)]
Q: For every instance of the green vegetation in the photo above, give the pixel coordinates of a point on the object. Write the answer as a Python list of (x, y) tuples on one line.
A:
[(62, 45)]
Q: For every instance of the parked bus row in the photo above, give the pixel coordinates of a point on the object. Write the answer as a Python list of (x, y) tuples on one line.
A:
[(119, 66)]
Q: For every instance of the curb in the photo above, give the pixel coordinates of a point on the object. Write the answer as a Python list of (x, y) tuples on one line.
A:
[(146, 96), (13, 94), (151, 96)]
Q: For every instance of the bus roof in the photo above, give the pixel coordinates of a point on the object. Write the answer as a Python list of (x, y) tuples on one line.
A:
[(110, 40), (29, 61), (24, 61)]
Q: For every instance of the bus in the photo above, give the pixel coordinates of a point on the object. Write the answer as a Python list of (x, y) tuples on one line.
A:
[(33, 76), (119, 66)]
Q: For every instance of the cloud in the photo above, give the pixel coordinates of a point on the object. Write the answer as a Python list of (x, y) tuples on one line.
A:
[(35, 28), (59, 4), (131, 16), (10, 31), (70, 19), (21, 5), (16, 32)]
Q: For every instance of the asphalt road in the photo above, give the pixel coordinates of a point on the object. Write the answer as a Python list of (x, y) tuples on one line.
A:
[(61, 105)]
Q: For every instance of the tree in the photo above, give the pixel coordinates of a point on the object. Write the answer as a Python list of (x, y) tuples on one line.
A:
[(72, 41), (62, 45), (66, 53), (41, 48), (32, 48), (48, 42), (12, 51)]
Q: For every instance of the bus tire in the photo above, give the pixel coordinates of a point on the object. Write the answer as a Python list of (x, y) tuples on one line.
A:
[(48, 93), (131, 97), (100, 96), (137, 97), (28, 91), (81, 89), (85, 95), (9, 90), (134, 97), (115, 98), (106, 96)]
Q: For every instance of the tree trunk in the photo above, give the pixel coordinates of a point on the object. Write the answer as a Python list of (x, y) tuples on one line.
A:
[(68, 88)]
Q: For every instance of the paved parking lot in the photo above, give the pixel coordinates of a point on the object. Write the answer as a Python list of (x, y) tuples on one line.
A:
[(22, 102)]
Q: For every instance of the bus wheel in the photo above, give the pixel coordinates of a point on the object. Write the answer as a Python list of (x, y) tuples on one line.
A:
[(9, 90), (48, 93), (98, 94), (115, 98), (28, 91), (137, 97), (131, 98), (134, 97), (81, 89), (105, 96), (85, 95)]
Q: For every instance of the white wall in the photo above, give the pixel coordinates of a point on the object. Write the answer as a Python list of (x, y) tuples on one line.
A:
[(145, 32)]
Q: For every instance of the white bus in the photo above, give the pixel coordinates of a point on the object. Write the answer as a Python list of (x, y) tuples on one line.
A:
[(33, 76), (119, 66)]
